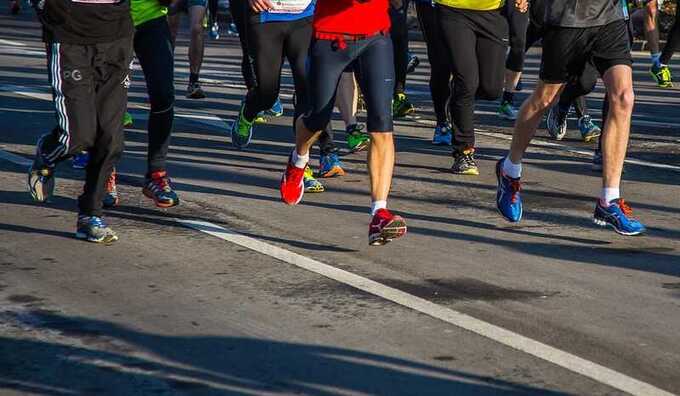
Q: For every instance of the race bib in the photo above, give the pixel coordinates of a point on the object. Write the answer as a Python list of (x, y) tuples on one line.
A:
[(290, 6)]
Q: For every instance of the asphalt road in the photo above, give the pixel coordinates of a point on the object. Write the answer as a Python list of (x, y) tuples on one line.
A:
[(173, 310)]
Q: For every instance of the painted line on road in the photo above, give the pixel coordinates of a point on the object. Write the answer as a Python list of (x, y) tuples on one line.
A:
[(221, 123), (10, 42), (508, 338), (17, 159), (559, 146)]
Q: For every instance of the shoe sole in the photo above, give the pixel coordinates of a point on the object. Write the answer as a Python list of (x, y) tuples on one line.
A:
[(590, 138), (393, 230), (469, 172), (507, 117), (404, 114), (604, 224), (315, 190), (196, 96), (107, 239), (360, 147), (335, 171), (660, 84), (159, 204), (39, 195)]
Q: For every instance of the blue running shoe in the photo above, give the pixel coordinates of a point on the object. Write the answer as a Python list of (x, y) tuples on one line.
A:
[(618, 215), (508, 199), (277, 109), (442, 135), (94, 229), (589, 130), (330, 166), (215, 31), (80, 160)]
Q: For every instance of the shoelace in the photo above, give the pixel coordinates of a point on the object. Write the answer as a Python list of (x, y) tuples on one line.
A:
[(516, 187), (627, 210), (162, 183)]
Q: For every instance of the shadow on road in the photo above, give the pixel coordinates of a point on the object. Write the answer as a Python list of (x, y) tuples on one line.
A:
[(110, 362)]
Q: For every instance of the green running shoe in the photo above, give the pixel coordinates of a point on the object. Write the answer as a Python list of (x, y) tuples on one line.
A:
[(241, 129), (662, 76), (357, 139), (128, 121), (401, 107)]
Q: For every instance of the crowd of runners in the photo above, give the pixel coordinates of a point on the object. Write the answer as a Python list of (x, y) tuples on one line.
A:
[(344, 54)]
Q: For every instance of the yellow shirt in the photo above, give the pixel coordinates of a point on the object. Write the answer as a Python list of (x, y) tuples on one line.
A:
[(477, 5)]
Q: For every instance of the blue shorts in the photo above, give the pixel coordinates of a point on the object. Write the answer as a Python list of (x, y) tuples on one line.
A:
[(374, 59)]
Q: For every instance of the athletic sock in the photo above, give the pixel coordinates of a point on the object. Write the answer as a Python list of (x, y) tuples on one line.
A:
[(377, 205), (193, 78), (609, 194), (508, 97), (299, 161), (656, 59), (511, 169)]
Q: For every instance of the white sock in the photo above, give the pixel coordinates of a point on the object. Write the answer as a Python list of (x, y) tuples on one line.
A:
[(299, 161), (377, 205), (609, 194), (511, 169)]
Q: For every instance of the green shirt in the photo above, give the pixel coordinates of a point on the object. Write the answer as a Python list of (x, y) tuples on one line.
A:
[(146, 10)]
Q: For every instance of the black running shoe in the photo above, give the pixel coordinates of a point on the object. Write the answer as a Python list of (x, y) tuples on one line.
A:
[(194, 91), (464, 162)]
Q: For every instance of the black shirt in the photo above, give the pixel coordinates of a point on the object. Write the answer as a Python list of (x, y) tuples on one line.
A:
[(72, 22), (582, 13)]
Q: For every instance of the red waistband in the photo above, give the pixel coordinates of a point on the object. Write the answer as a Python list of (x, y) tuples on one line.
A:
[(343, 38)]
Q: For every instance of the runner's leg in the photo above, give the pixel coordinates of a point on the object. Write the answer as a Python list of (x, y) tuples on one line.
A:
[(196, 11)]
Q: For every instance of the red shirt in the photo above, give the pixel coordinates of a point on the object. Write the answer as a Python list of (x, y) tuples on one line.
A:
[(350, 17)]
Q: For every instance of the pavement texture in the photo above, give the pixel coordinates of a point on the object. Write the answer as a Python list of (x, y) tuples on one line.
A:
[(170, 310)]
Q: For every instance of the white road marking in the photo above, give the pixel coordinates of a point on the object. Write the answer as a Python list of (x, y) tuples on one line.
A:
[(223, 124), (17, 159), (508, 338), (10, 42), (559, 146)]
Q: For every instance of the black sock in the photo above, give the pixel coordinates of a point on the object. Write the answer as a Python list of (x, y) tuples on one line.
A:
[(508, 97), (193, 78)]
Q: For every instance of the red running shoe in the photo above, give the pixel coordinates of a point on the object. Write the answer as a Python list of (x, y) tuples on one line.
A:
[(292, 184), (385, 227)]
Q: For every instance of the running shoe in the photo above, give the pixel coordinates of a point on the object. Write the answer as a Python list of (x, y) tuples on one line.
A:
[(276, 110), (194, 91), (94, 229), (507, 111), (311, 184), (589, 130), (330, 166), (232, 30), (260, 118), (597, 161), (662, 76), (111, 198), (292, 186), (413, 62), (385, 227), (215, 31), (520, 85), (40, 177), (464, 163), (241, 129), (128, 121), (401, 107), (557, 123), (157, 187), (508, 198), (80, 160), (357, 140), (618, 215), (442, 135), (14, 7)]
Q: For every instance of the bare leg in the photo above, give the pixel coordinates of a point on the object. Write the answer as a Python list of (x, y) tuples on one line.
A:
[(381, 164), (651, 31), (196, 16), (304, 138), (347, 98), (619, 83), (529, 117), (511, 79)]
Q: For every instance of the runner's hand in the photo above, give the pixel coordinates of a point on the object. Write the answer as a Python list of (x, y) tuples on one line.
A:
[(522, 5), (396, 4), (260, 5)]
